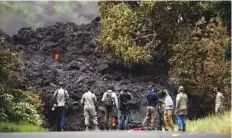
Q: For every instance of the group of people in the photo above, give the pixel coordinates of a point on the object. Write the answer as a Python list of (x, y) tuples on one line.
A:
[(164, 100), (113, 105), (117, 108)]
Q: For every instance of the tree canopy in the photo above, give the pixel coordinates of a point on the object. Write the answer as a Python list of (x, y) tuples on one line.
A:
[(192, 36)]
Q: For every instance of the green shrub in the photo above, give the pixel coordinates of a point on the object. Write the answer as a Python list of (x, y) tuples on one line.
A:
[(3, 115), (27, 112), (19, 111)]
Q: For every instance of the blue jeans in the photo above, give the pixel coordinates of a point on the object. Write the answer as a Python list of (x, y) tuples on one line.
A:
[(181, 121), (123, 123), (61, 111)]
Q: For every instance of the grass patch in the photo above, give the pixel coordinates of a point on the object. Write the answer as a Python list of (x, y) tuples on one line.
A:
[(20, 127), (212, 124)]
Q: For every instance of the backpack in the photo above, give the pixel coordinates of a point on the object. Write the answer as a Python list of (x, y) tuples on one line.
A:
[(109, 101)]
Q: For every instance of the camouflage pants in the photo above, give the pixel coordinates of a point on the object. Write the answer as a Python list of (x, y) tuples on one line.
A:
[(168, 119), (108, 117), (90, 113), (150, 116)]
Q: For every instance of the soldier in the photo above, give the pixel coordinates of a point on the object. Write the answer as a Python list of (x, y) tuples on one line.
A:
[(219, 102), (89, 101), (181, 108)]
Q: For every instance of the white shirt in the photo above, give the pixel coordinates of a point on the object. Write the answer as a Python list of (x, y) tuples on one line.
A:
[(61, 95), (114, 96), (168, 102), (89, 99), (219, 99)]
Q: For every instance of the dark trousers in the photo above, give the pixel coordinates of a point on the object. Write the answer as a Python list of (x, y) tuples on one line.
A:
[(61, 111), (124, 118)]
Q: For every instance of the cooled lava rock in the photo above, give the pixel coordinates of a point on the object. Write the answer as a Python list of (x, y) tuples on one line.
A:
[(80, 68)]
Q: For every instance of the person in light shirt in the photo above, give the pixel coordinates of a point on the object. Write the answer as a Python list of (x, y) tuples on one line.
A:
[(181, 108), (89, 101), (61, 95), (168, 109), (110, 101), (219, 102)]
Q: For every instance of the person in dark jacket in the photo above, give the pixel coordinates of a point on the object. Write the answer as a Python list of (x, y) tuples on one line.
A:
[(124, 98), (151, 115)]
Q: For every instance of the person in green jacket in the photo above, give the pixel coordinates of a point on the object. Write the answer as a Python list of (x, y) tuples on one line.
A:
[(181, 108)]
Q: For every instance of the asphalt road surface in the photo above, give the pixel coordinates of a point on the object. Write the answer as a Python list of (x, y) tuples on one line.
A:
[(112, 134)]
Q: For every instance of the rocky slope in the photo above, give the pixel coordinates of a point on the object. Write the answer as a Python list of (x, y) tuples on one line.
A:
[(81, 68)]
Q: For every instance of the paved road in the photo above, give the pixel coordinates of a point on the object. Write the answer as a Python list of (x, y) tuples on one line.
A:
[(113, 134)]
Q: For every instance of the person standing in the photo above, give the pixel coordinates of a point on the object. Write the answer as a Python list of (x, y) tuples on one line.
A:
[(219, 102), (89, 101), (181, 108), (151, 115), (124, 98), (110, 102), (168, 109), (61, 95)]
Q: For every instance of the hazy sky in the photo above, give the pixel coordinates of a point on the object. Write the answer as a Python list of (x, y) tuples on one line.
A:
[(14, 15)]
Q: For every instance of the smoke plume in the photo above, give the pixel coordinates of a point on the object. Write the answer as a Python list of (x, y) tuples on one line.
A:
[(17, 14)]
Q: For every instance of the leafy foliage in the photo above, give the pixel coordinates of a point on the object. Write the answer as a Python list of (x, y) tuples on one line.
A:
[(18, 111), (198, 61), (117, 37), (9, 62), (147, 26), (16, 105)]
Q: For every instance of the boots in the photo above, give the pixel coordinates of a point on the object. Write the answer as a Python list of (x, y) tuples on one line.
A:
[(184, 127)]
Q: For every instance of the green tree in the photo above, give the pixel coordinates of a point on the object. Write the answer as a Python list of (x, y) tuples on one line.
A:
[(144, 32), (16, 105), (198, 62)]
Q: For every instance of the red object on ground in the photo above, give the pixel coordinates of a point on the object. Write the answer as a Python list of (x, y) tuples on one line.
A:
[(57, 56), (137, 129)]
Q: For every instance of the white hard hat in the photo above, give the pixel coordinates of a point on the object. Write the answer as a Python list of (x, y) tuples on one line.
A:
[(109, 91), (181, 88)]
